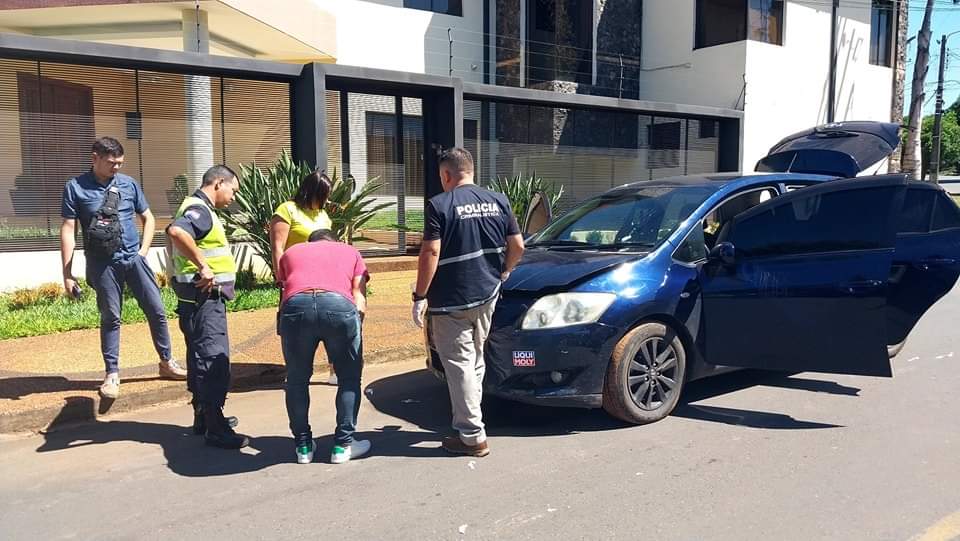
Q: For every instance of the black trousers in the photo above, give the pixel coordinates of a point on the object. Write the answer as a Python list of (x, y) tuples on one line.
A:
[(204, 327)]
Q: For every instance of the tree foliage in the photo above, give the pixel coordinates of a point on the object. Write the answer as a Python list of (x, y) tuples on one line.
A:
[(262, 191)]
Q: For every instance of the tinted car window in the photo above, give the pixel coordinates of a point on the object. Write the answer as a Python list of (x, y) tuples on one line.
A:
[(947, 214), (838, 221), (693, 247), (915, 215), (641, 218)]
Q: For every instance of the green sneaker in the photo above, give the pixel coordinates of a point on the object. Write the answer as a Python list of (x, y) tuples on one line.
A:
[(305, 451)]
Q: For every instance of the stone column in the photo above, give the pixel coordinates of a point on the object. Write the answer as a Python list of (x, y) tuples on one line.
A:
[(899, 79), (199, 108)]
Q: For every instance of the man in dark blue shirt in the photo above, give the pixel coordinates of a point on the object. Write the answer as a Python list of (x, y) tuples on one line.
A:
[(83, 196), (471, 242)]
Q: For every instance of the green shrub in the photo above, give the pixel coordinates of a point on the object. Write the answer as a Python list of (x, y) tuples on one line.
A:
[(37, 296), (261, 192)]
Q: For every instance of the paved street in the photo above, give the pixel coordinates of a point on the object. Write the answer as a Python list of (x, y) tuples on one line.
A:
[(749, 456)]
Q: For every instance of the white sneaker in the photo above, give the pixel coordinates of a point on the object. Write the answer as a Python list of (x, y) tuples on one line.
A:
[(305, 452), (344, 454), (171, 369), (110, 388)]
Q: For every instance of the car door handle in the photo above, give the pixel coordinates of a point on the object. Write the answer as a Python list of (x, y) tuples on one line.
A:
[(852, 288), (936, 262)]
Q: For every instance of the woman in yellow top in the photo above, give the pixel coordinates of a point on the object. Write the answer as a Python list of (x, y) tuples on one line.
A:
[(294, 220)]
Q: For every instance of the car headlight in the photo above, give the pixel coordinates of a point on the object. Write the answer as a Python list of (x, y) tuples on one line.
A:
[(565, 309)]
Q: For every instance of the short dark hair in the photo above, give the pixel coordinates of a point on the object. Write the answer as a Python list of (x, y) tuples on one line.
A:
[(107, 146), (322, 234), (457, 158), (218, 172), (314, 188)]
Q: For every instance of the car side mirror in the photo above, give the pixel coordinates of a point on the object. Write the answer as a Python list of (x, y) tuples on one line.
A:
[(723, 252), (538, 214)]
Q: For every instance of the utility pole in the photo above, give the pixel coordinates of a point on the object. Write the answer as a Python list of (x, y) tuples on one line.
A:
[(832, 87), (938, 115), (911, 160)]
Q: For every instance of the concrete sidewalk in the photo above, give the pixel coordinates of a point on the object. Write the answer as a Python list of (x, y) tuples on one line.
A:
[(41, 375)]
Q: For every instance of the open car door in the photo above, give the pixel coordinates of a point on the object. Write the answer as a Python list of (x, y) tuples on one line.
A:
[(926, 261), (538, 214), (800, 281)]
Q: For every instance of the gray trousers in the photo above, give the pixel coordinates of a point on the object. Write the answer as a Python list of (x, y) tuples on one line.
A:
[(459, 338)]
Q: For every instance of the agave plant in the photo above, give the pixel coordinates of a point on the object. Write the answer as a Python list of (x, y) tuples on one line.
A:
[(261, 192), (519, 190)]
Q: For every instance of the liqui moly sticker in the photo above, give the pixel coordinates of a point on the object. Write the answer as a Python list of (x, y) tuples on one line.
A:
[(524, 359)]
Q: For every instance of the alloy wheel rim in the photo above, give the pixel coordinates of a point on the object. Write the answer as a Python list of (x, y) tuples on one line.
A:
[(652, 379)]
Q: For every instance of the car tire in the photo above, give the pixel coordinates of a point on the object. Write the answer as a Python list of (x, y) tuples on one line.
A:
[(636, 389), (894, 350)]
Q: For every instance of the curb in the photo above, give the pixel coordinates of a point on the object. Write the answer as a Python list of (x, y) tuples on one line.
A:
[(84, 409)]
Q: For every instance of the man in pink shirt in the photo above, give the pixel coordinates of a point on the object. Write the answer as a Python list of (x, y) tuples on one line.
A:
[(323, 301)]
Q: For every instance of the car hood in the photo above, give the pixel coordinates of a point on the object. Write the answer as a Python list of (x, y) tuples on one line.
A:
[(546, 269), (841, 149)]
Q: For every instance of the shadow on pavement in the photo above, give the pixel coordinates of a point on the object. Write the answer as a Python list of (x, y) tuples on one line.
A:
[(745, 379), (187, 455), (16, 388), (419, 398)]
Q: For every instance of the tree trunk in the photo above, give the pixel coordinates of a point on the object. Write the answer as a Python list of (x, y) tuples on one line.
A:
[(911, 161), (899, 79)]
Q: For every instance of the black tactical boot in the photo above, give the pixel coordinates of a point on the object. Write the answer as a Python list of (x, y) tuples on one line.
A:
[(200, 421), (219, 433)]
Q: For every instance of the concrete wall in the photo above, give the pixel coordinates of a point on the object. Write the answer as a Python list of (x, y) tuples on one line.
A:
[(787, 87), (30, 269), (383, 34), (781, 88)]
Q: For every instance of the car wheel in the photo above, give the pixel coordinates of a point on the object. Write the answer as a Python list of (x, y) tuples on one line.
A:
[(646, 374), (894, 350)]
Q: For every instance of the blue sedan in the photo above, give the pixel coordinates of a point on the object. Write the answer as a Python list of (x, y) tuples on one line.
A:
[(627, 297)]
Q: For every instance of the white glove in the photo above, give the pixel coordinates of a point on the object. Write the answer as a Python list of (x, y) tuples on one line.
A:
[(419, 309)]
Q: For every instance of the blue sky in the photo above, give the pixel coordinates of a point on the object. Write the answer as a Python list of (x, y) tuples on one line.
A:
[(946, 19)]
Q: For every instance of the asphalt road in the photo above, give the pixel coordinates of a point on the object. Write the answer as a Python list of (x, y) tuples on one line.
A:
[(747, 456)]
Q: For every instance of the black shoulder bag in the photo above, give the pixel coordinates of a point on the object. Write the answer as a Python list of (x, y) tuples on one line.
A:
[(104, 234)]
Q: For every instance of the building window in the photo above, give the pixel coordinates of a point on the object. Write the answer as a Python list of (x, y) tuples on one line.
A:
[(728, 21), (446, 7), (881, 33), (559, 41)]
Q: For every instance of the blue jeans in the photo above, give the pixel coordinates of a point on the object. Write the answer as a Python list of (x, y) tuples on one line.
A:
[(307, 319), (108, 279)]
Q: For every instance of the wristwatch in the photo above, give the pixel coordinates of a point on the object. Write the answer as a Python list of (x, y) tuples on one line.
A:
[(418, 297)]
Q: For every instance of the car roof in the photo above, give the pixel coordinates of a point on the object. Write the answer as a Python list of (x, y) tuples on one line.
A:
[(717, 181)]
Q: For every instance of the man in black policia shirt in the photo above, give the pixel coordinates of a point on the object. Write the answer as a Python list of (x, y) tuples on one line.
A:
[(471, 242), (115, 255), (204, 274)]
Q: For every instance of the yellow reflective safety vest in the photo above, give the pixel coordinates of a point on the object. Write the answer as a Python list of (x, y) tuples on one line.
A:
[(214, 247)]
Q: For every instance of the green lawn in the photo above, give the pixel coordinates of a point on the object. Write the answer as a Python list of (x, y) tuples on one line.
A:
[(387, 219), (65, 314)]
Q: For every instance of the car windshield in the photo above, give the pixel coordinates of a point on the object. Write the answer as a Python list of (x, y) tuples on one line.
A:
[(638, 220)]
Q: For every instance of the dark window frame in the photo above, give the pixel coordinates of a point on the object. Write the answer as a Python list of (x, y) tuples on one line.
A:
[(549, 60), (881, 46), (454, 8), (778, 7)]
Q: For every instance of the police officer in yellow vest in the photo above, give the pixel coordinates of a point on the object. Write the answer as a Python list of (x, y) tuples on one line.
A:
[(204, 273)]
